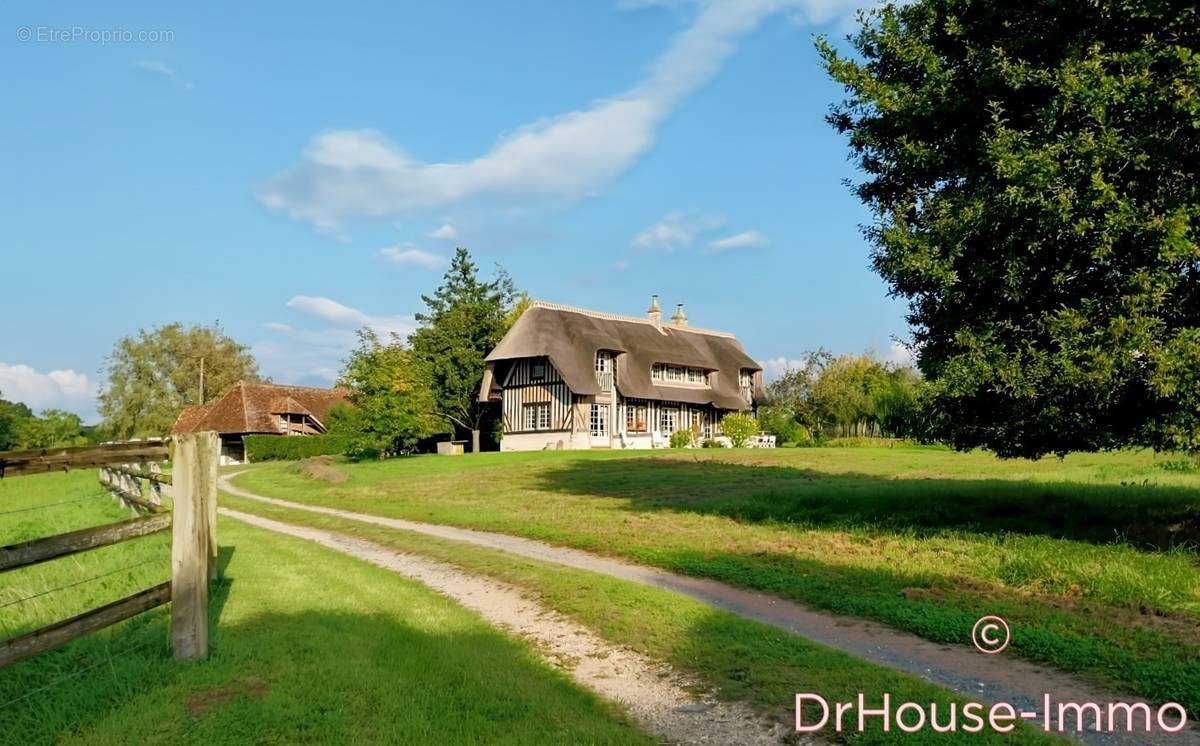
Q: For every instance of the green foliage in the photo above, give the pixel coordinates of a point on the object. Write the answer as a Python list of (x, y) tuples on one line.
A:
[(281, 448), (739, 428), (12, 417), (782, 423), (842, 396), (152, 376), (681, 439), (53, 428), (1034, 173), (393, 400), (712, 443), (464, 320), (1181, 465)]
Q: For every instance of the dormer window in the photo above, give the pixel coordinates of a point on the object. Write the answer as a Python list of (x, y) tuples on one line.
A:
[(604, 361), (678, 374), (745, 379)]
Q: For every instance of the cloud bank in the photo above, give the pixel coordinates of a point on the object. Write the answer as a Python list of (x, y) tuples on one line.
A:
[(58, 389), (347, 174)]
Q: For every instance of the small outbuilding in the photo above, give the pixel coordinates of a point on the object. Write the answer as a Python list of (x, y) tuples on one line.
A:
[(260, 409)]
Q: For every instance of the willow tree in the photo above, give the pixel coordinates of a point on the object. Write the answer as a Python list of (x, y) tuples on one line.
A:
[(153, 375), (1033, 168)]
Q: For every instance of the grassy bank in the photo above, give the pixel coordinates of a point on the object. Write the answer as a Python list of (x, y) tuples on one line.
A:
[(308, 646), (743, 660), (1088, 558)]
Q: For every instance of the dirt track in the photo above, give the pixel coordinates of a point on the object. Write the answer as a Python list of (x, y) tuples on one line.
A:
[(963, 669), (656, 696)]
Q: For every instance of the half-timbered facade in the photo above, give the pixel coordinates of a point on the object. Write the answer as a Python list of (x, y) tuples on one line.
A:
[(568, 378)]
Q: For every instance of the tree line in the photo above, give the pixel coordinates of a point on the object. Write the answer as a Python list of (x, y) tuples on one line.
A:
[(828, 396)]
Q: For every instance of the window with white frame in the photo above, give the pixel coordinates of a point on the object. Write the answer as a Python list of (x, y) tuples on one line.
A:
[(537, 416), (668, 420), (678, 373), (745, 378), (599, 419), (603, 361)]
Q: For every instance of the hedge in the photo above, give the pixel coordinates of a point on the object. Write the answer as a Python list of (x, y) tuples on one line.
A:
[(293, 448)]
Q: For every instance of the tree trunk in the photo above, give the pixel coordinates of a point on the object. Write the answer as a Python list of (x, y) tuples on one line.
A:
[(475, 441)]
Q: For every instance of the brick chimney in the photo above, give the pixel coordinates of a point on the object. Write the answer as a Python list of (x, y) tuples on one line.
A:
[(680, 318)]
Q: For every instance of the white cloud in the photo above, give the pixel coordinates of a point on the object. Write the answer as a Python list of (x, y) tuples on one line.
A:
[(777, 366), (411, 255), (347, 174), (743, 240), (348, 318), (676, 230), (158, 67), (58, 389), (315, 355), (445, 232), (900, 355)]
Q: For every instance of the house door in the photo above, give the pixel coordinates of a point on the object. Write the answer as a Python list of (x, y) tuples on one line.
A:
[(599, 426)]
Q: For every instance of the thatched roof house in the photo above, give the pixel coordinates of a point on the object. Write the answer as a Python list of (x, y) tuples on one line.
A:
[(597, 380)]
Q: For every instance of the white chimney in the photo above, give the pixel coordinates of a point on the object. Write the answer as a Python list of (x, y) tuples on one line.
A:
[(680, 318), (654, 312)]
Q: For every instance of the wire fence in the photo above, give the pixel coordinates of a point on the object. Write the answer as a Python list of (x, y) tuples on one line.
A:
[(43, 506), (47, 592), (107, 661)]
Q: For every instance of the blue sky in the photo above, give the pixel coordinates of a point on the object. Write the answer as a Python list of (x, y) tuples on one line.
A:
[(297, 171)]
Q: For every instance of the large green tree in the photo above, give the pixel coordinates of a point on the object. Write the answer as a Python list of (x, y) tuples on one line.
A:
[(12, 416), (1033, 167), (464, 319), (153, 375), (52, 428), (393, 399)]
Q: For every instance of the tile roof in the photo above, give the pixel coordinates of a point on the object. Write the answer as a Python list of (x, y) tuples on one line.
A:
[(254, 407)]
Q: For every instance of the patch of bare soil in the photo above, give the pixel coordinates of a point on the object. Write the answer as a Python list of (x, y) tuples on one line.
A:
[(320, 468), (657, 697), (205, 701)]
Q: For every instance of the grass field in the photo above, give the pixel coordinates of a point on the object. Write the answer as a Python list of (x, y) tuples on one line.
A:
[(740, 659), (308, 646), (1092, 559)]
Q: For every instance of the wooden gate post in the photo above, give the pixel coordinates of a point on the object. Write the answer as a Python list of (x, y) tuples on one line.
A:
[(194, 487)]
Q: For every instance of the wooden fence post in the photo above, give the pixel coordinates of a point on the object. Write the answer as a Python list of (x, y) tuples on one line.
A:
[(194, 487)]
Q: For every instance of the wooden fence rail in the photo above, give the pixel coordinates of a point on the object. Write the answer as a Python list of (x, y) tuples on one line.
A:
[(192, 523), (17, 463), (51, 547)]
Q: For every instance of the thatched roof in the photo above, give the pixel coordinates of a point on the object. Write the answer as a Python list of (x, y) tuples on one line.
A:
[(570, 338), (254, 408)]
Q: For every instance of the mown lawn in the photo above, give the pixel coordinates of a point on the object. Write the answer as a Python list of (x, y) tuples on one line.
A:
[(308, 646), (1092, 559), (740, 659)]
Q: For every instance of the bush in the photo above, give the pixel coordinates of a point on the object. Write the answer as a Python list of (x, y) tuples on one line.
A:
[(712, 443), (681, 439), (739, 428), (1183, 465), (863, 442), (293, 448)]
